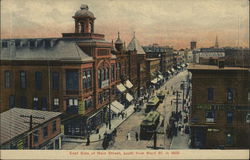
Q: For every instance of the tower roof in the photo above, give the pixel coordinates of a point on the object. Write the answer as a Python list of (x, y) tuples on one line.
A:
[(118, 40), (84, 12), (135, 45)]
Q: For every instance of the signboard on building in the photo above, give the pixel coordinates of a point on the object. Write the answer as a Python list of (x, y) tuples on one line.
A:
[(81, 107), (104, 83)]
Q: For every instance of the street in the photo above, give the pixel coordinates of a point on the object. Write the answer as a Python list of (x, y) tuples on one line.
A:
[(132, 124)]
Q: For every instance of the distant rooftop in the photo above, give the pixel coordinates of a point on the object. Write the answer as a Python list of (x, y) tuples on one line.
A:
[(193, 66), (13, 125)]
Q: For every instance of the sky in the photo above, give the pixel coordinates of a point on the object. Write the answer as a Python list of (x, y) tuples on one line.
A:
[(166, 22)]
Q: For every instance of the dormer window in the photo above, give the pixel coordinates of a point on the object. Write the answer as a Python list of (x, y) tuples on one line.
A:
[(18, 43), (4, 44), (32, 44)]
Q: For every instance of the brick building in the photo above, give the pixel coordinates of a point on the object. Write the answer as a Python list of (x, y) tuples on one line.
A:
[(220, 113), (165, 54), (16, 132), (76, 74)]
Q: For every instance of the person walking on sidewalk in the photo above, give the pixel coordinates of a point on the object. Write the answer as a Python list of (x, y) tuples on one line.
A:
[(88, 141), (136, 136), (128, 136)]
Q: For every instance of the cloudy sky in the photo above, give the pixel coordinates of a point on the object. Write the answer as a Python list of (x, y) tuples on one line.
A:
[(166, 22)]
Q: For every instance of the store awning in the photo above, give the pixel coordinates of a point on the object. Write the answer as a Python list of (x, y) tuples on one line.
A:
[(160, 77), (129, 97), (172, 70), (128, 84), (154, 81), (118, 105), (169, 72), (183, 65), (121, 87), (114, 109), (179, 67)]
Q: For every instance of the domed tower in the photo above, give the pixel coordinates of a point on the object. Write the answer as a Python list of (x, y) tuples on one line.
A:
[(84, 20), (118, 43)]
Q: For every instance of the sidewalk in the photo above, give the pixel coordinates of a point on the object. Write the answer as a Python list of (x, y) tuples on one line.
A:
[(180, 142), (114, 124)]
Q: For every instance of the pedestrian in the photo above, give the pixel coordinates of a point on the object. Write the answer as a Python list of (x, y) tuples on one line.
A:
[(88, 141), (179, 126), (106, 124), (182, 130), (100, 136), (115, 132), (136, 136), (129, 136), (122, 115)]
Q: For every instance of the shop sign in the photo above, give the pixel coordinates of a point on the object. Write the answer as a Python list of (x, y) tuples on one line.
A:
[(215, 107), (81, 107)]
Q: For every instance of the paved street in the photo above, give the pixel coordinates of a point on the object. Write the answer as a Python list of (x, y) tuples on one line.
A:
[(132, 125)]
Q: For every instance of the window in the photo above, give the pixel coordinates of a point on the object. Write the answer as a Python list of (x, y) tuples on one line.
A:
[(7, 79), (44, 103), (112, 72), (45, 131), (56, 104), (23, 102), (11, 101), (35, 102), (210, 116), (4, 44), (88, 103), (72, 106), (229, 139), (229, 117), (17, 43), (38, 80), (248, 118), (210, 93), (35, 136), (55, 81), (54, 126), (229, 94), (23, 80), (87, 79), (72, 80)]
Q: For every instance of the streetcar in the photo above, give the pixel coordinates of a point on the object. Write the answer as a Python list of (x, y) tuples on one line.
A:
[(149, 125), (152, 105)]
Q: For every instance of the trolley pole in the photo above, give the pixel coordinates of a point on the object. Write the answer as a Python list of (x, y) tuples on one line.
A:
[(177, 96)]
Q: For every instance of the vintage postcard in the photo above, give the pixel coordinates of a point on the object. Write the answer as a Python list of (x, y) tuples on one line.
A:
[(125, 79)]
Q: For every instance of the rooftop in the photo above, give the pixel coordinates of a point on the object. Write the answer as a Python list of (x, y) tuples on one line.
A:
[(13, 125), (43, 49), (135, 45), (193, 66)]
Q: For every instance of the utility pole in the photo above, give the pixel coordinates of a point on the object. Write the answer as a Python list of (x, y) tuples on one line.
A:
[(110, 108), (30, 126), (155, 139)]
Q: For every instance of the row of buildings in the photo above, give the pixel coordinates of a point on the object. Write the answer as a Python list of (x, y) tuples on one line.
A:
[(80, 74)]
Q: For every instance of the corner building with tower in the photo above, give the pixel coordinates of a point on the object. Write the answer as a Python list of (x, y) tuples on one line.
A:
[(79, 74)]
